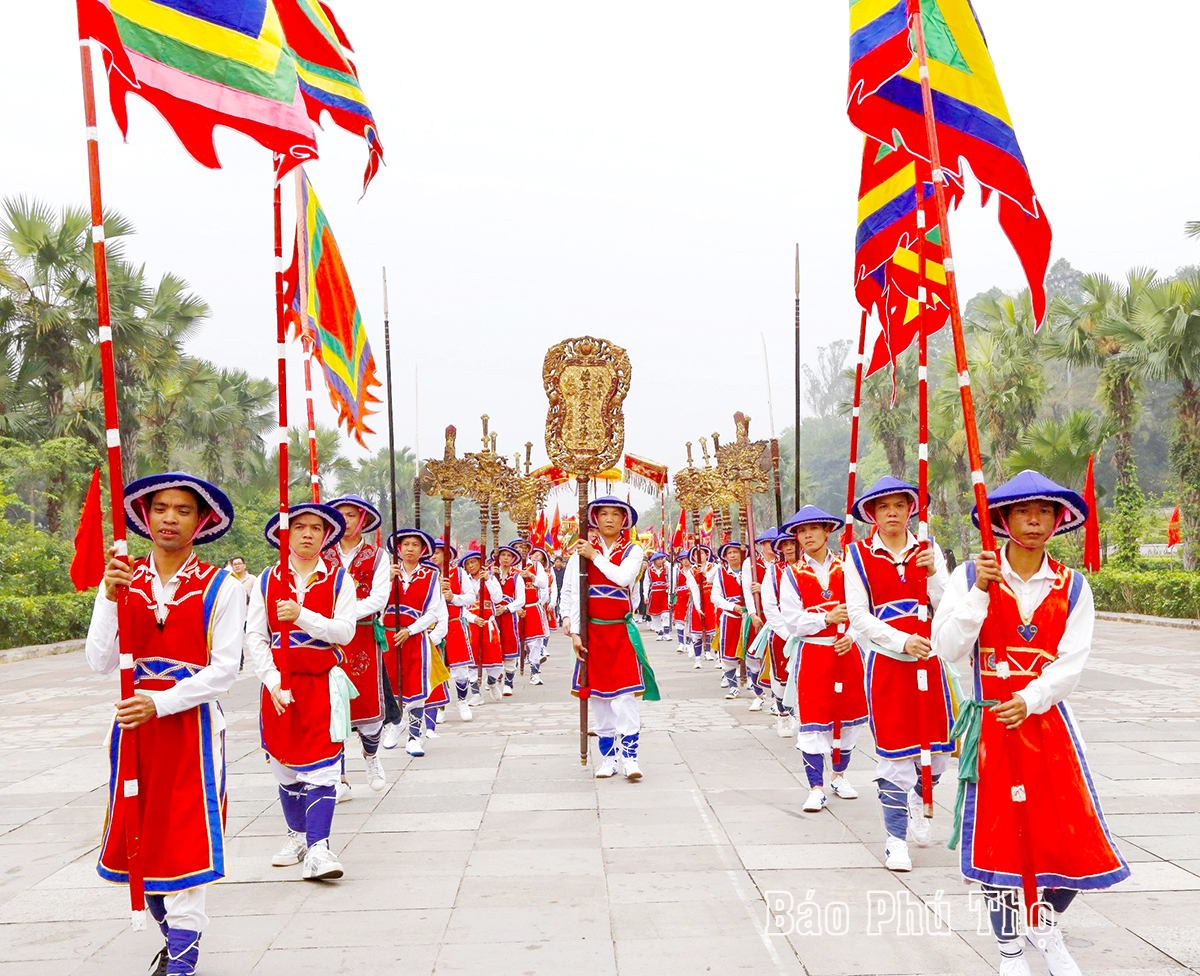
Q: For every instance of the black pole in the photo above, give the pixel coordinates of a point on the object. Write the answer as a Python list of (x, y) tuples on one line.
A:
[(581, 483), (796, 430), (394, 599)]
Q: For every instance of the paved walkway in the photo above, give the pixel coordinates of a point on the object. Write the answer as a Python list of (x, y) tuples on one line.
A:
[(496, 853)]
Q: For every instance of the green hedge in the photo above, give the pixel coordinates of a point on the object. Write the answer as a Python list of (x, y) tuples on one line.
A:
[(47, 619), (1158, 593)]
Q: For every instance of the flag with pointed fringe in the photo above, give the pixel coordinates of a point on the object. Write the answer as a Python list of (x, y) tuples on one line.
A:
[(328, 78), (204, 63), (973, 123), (556, 531), (677, 540), (331, 327)]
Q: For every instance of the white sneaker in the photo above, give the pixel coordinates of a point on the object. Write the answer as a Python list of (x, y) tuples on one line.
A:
[(756, 705), (607, 767), (842, 789), (632, 769), (718, 664), (1017, 966), (773, 709), (708, 655), (816, 800), (724, 682), (1048, 940), (918, 825), (475, 698), (341, 791), (293, 851), (375, 778), (732, 693), (414, 747), (391, 736), (432, 734), (697, 666), (464, 711), (494, 690), (896, 857), (536, 680), (321, 865), (783, 726), (679, 648), (507, 690)]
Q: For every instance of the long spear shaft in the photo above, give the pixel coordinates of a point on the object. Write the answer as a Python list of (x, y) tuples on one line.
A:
[(394, 598), (302, 286), (417, 450), (127, 764), (581, 483), (796, 431), (855, 414), (774, 439), (974, 456)]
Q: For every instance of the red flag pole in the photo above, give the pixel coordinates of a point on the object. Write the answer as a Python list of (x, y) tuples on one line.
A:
[(927, 670), (127, 763), (848, 529), (974, 457), (303, 262), (285, 571)]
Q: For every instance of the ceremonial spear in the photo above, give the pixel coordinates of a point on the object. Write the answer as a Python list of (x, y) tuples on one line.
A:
[(796, 432), (483, 475), (127, 762), (774, 439), (394, 598), (586, 380), (974, 456)]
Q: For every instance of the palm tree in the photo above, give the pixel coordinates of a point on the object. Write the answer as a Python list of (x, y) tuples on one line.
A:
[(332, 466), (893, 422), (1059, 449), (1165, 335)]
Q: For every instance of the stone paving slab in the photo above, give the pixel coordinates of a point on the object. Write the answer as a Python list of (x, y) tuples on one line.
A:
[(497, 852)]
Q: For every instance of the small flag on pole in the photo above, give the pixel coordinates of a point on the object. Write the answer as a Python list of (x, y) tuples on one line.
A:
[(87, 565), (1091, 528), (1173, 535)]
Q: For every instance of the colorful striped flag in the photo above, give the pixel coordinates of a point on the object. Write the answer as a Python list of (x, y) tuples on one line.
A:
[(328, 78), (204, 63), (973, 123), (331, 325)]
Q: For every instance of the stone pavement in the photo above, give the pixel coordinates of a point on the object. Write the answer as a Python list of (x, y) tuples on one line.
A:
[(497, 853)]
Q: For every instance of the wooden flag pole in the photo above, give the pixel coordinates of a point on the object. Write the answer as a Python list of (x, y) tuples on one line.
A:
[(848, 529), (127, 763), (306, 344), (974, 456)]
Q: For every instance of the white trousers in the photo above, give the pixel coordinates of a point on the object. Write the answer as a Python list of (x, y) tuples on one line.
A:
[(906, 773), (185, 909), (618, 716), (325, 776), (821, 743), (661, 622)]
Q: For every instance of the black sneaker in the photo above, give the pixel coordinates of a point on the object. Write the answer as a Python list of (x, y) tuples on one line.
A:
[(158, 965)]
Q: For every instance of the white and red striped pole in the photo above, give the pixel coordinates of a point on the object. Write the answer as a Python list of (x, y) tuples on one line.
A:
[(307, 341), (127, 770), (285, 570), (974, 457)]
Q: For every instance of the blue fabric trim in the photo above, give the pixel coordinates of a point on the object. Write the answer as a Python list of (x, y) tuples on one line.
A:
[(211, 593), (1076, 590)]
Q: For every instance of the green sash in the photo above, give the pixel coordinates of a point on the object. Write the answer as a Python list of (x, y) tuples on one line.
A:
[(650, 685), (968, 725)]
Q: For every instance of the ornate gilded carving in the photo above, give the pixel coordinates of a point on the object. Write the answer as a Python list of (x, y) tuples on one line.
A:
[(586, 380)]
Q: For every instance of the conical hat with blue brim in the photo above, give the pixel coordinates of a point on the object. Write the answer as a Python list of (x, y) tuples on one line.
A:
[(337, 524), (216, 500), (1034, 486), (615, 502), (401, 534), (887, 485), (373, 519)]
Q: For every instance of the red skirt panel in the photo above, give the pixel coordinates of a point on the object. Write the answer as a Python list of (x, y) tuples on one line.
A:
[(299, 738), (892, 694), (729, 635), (534, 623), (819, 703), (459, 651), (181, 800), (613, 666), (510, 640), (363, 662)]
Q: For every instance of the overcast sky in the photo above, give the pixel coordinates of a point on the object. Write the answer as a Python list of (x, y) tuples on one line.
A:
[(638, 171)]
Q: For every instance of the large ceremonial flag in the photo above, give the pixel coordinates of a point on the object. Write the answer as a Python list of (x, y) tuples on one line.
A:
[(973, 124), (328, 78), (331, 326), (204, 63)]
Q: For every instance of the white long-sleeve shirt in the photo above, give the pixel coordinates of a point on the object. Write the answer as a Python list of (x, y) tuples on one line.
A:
[(797, 621), (865, 623), (496, 589), (225, 653), (338, 629), (961, 614), (770, 601), (725, 601), (623, 575), (381, 580), (437, 617)]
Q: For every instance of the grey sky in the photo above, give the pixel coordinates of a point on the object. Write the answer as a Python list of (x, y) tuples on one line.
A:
[(637, 171)]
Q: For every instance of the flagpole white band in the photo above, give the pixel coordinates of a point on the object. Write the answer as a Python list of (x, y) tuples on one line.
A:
[(120, 547), (977, 477), (853, 467), (922, 679), (922, 452), (923, 371), (283, 521), (97, 233), (104, 333), (112, 437), (948, 265), (921, 219), (282, 435), (93, 133), (964, 378), (126, 662), (926, 758)]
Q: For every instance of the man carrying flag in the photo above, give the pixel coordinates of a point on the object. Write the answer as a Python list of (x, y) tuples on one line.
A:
[(185, 619)]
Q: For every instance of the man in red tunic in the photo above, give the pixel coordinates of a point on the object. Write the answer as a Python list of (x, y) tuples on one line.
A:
[(614, 664), (729, 603), (460, 591), (701, 617), (297, 722), (185, 622), (507, 589), (368, 569), (535, 626), (886, 614), (827, 669), (679, 608), (658, 606), (1023, 615)]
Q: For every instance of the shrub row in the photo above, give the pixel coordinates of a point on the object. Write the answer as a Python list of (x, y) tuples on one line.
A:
[(45, 619), (1158, 593)]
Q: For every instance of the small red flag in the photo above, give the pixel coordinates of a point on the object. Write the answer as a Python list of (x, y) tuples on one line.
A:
[(677, 539), (1173, 536), (556, 531), (1091, 528), (87, 565)]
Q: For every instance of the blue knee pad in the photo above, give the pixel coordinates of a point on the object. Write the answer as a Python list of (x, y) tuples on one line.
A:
[(608, 745), (370, 745), (157, 907), (462, 687), (895, 808), (1003, 912), (629, 745), (843, 761), (318, 813), (814, 767), (183, 950), (291, 798)]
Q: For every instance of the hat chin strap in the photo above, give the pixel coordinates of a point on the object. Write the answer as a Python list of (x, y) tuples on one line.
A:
[(1002, 515)]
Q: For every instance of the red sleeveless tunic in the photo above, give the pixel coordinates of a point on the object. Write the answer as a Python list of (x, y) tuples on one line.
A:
[(658, 592), (613, 667), (485, 638), (1072, 847), (299, 738), (363, 660), (459, 652), (680, 610), (412, 657), (533, 624), (892, 690), (702, 619), (729, 632), (509, 623), (820, 667), (181, 781)]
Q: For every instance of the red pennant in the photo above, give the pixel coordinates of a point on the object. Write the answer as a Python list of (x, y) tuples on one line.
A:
[(1173, 536), (677, 539), (1091, 529), (87, 565)]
